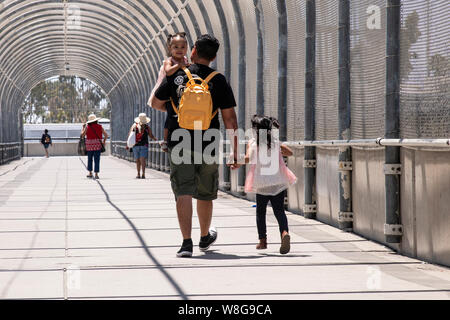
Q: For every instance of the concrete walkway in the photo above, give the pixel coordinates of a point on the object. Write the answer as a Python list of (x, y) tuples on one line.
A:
[(63, 236)]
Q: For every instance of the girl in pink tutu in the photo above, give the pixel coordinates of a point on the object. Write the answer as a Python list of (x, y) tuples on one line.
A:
[(269, 177)]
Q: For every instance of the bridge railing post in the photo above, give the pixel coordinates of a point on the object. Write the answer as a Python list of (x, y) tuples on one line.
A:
[(310, 207), (345, 215), (392, 228)]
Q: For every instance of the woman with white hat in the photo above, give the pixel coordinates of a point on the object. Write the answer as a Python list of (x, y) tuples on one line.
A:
[(93, 131), (140, 149)]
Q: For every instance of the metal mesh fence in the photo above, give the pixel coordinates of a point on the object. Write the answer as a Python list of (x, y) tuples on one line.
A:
[(199, 18), (368, 71), (327, 67), (296, 15), (424, 69), (248, 15), (129, 25), (270, 34), (218, 33), (234, 47)]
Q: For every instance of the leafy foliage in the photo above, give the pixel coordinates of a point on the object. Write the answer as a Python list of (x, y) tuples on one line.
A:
[(65, 100)]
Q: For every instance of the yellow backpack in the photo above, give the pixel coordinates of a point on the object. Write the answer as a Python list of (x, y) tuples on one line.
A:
[(196, 106)]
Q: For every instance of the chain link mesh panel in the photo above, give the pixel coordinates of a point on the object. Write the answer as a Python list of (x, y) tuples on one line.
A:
[(190, 26), (234, 48), (176, 22), (182, 24), (424, 58), (296, 14), (424, 69), (367, 67), (248, 15), (327, 70), (199, 17), (270, 13), (218, 33)]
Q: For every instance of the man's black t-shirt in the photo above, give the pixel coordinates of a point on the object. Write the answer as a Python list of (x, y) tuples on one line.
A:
[(46, 139), (173, 87)]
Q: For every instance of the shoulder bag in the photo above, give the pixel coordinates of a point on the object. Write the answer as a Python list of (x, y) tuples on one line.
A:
[(82, 146)]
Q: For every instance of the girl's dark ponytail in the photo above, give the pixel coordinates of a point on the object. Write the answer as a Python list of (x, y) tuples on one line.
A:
[(264, 123)]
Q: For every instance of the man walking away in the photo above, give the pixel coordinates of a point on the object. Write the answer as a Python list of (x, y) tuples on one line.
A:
[(190, 179), (46, 141)]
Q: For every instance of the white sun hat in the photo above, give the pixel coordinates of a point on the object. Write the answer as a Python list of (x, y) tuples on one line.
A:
[(92, 118), (142, 119)]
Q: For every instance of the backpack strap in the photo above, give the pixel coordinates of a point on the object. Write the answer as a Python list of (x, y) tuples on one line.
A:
[(189, 74), (211, 75), (207, 80), (174, 106)]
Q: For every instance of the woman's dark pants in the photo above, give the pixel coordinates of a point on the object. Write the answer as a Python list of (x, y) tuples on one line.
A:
[(94, 155)]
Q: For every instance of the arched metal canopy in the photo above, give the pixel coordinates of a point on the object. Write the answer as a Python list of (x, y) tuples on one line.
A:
[(41, 37), (118, 44), (105, 41)]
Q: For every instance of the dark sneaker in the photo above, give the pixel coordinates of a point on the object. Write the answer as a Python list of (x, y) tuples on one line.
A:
[(186, 249), (208, 241)]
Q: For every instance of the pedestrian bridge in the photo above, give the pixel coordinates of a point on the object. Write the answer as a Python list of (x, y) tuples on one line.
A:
[(63, 236), (360, 89)]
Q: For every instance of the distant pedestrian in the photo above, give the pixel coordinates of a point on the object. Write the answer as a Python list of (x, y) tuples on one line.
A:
[(269, 177), (140, 149), (94, 132), (46, 141)]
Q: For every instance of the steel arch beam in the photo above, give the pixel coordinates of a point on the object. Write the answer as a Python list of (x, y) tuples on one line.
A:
[(97, 17), (48, 46), (41, 54)]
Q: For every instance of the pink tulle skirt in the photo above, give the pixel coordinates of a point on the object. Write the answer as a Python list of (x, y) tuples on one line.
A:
[(269, 185)]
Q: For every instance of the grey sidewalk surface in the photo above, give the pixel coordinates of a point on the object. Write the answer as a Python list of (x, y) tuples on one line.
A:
[(63, 236)]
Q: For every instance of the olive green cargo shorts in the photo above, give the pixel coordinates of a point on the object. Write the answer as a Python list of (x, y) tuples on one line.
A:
[(201, 181)]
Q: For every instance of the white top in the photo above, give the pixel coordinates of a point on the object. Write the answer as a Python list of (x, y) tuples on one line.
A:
[(268, 174)]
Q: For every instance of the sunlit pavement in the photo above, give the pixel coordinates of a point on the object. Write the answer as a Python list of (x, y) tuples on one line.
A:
[(63, 236)]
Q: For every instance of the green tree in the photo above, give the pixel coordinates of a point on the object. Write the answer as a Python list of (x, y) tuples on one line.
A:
[(65, 99)]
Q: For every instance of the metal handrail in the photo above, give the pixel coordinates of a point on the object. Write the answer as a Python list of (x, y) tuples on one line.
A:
[(150, 142), (56, 138), (379, 142), (9, 143), (5, 151)]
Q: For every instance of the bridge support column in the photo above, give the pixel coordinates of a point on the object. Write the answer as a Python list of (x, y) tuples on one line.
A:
[(310, 207), (242, 80), (393, 228), (345, 216), (226, 183)]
